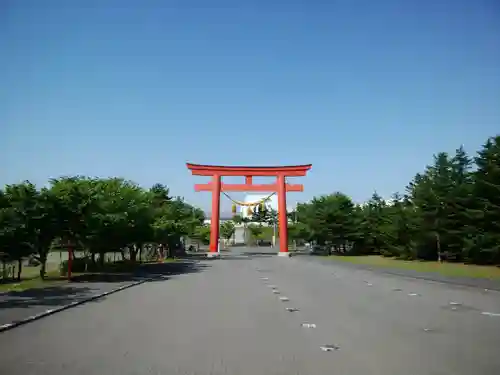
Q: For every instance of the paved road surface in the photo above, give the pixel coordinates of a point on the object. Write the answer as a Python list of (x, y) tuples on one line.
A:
[(225, 319), (16, 306)]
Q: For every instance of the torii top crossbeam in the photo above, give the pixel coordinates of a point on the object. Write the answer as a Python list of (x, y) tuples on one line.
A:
[(249, 172), (210, 170)]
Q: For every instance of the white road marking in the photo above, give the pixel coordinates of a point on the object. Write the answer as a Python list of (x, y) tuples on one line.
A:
[(490, 313), (329, 348)]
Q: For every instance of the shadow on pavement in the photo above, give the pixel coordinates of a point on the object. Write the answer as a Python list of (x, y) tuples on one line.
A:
[(88, 285), (144, 271), (49, 296)]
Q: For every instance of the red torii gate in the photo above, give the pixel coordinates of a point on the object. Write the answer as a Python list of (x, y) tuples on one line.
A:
[(280, 186)]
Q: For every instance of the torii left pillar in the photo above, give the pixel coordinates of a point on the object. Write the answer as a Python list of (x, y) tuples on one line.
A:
[(215, 220), (280, 187)]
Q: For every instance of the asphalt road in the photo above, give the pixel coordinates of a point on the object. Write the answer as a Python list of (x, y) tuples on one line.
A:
[(225, 319)]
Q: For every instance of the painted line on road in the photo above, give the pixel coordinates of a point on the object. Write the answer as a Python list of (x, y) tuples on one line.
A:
[(452, 303), (284, 299), (487, 313), (308, 325), (17, 323), (431, 330), (414, 294), (329, 348), (264, 278)]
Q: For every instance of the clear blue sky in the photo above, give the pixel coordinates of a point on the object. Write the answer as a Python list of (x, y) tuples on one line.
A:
[(364, 90)]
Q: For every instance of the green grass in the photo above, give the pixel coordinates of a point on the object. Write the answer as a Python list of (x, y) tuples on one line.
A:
[(448, 269), (31, 277), (52, 278)]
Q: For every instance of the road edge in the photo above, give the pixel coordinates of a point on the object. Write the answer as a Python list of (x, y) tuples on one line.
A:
[(17, 323), (458, 282)]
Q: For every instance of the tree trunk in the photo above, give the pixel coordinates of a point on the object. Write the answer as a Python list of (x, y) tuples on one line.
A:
[(438, 246), (102, 256), (4, 270), (19, 268), (133, 253), (43, 264)]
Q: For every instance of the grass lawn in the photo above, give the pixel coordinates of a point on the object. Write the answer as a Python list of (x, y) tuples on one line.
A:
[(31, 279), (448, 269), (52, 278)]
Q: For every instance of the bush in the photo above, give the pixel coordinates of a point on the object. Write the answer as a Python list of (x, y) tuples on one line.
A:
[(86, 265), (78, 265)]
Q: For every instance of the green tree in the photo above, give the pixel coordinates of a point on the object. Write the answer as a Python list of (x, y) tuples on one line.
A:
[(227, 230), (27, 226), (370, 232), (401, 229), (202, 234), (256, 231), (430, 193), (330, 220), (484, 245)]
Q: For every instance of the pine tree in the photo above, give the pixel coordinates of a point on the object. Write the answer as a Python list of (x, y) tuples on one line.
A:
[(485, 245), (400, 233), (460, 204), (373, 225), (430, 193)]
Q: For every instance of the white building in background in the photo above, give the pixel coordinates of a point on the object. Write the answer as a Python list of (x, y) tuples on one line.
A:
[(222, 218), (388, 202), (271, 204)]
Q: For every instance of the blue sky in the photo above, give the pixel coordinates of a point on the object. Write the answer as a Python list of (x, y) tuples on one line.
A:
[(364, 90)]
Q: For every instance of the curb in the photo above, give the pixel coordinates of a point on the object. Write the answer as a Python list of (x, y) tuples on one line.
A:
[(17, 323), (473, 283)]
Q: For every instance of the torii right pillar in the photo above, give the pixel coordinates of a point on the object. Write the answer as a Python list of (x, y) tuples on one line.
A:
[(282, 216)]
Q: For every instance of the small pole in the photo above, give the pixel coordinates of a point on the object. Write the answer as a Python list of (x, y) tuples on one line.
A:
[(295, 223), (274, 233)]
